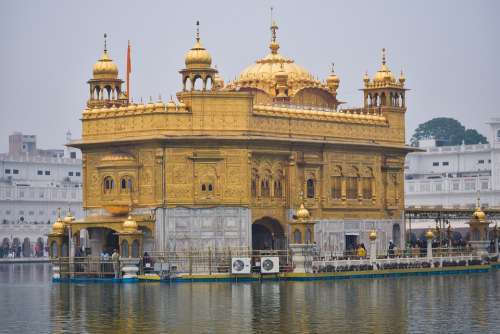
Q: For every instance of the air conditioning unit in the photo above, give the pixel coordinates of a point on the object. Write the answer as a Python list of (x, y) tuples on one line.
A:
[(270, 265), (241, 265)]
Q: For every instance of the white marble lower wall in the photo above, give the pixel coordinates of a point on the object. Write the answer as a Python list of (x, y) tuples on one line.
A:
[(330, 235), (181, 229)]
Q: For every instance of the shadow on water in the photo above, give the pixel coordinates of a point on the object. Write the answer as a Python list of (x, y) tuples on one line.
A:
[(452, 303)]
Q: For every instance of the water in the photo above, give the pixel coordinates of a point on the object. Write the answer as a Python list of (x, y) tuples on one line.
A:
[(30, 303)]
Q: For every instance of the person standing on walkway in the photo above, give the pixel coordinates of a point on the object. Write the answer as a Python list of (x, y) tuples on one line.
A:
[(115, 257)]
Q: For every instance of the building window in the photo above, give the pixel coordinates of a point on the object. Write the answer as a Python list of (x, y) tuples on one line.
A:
[(72, 155), (15, 171), (455, 186), (367, 188), (470, 185), (126, 184), (254, 188), (40, 172), (411, 188), (109, 184), (278, 189), (207, 187), (70, 173), (264, 188), (445, 163), (310, 188), (77, 173), (489, 161), (480, 161), (435, 163), (21, 194), (47, 172), (336, 187), (498, 135), (484, 185), (352, 187), (7, 171), (439, 187)]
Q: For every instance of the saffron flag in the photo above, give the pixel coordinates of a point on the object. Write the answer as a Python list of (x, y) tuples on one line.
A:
[(129, 69)]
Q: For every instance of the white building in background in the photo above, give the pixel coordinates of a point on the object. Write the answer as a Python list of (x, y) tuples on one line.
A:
[(451, 176), (34, 183)]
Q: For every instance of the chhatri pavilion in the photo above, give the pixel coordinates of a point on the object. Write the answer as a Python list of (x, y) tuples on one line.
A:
[(227, 164)]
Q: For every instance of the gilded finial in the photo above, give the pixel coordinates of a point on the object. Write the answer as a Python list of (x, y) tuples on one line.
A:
[(478, 201), (274, 27), (333, 65), (197, 31), (58, 212), (383, 56), (105, 43)]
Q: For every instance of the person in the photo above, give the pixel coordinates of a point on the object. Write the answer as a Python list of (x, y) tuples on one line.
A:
[(361, 252), (115, 257), (391, 248)]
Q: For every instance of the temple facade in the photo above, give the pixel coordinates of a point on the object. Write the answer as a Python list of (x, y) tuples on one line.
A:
[(226, 164)]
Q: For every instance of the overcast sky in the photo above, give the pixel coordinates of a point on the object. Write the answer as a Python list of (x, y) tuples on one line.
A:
[(449, 51)]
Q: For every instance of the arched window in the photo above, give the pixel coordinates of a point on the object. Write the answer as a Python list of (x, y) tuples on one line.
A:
[(197, 83), (208, 83), (310, 188), (108, 184), (203, 187), (264, 188), (124, 248), (278, 189), (367, 188), (297, 237), (352, 187), (254, 188), (336, 187), (126, 184), (210, 187), (135, 248), (308, 235)]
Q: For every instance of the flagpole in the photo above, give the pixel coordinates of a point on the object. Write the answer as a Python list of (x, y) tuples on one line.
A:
[(129, 69)]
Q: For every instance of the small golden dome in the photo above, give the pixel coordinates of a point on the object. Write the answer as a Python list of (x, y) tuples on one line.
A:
[(171, 106), (402, 78), (218, 81), (372, 235), (181, 105), (58, 226), (429, 234), (366, 78), (69, 218), (198, 56), (384, 74), (105, 68), (130, 225), (302, 212), (479, 215), (333, 81)]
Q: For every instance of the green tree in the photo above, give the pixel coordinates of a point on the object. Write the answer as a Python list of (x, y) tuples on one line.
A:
[(472, 137), (446, 131)]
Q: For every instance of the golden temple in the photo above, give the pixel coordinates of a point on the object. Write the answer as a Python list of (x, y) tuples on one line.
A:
[(227, 164)]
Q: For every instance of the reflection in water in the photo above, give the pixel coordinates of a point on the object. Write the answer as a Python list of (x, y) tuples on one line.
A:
[(453, 303)]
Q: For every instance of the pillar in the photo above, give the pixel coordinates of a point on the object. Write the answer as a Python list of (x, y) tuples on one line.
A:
[(429, 235)]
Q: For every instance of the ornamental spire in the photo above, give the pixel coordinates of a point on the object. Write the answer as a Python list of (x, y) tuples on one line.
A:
[(383, 56), (197, 31), (274, 46), (105, 43)]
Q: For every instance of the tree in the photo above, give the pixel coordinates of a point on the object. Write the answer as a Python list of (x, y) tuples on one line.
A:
[(446, 131), (472, 137)]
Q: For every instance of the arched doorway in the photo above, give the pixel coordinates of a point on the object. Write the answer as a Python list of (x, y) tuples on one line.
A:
[(5, 248), (267, 233), (111, 241)]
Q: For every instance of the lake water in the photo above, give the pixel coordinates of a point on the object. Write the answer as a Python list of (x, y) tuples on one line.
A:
[(31, 303)]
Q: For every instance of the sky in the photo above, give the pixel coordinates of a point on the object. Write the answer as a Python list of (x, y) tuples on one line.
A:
[(447, 49)]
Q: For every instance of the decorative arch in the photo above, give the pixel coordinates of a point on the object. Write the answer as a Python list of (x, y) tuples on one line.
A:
[(108, 184), (268, 233)]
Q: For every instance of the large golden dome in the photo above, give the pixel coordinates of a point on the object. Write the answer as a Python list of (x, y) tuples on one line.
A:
[(262, 74)]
